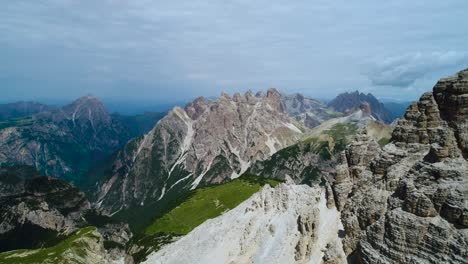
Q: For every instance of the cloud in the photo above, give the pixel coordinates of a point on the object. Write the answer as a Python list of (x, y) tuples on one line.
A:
[(404, 70), (161, 49)]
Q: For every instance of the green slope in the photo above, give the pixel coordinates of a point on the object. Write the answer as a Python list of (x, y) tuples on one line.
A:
[(200, 205), (77, 246), (16, 122), (206, 203)]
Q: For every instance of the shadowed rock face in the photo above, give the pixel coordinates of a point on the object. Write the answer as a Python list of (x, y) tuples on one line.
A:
[(408, 203), (207, 142), (451, 95), (349, 102), (39, 211), (45, 207)]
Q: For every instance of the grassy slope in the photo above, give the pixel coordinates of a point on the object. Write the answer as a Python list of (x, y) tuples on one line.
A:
[(22, 121), (56, 254), (206, 203), (192, 210)]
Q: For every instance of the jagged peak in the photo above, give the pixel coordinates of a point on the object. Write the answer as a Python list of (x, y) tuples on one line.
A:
[(272, 92), (225, 95)]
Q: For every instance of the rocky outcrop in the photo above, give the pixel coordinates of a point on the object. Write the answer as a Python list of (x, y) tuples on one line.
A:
[(39, 211), (288, 224), (208, 142), (308, 111), (407, 203), (43, 207), (451, 96), (350, 102)]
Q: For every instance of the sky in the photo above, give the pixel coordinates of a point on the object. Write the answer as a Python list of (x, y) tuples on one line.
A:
[(175, 50)]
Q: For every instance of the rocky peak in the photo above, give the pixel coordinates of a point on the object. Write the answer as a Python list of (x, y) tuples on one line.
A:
[(439, 118), (451, 95), (87, 108), (366, 108), (350, 102), (209, 142), (273, 97), (197, 107), (249, 96), (399, 203)]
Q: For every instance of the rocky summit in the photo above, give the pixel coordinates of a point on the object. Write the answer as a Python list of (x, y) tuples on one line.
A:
[(207, 142), (407, 202), (350, 102)]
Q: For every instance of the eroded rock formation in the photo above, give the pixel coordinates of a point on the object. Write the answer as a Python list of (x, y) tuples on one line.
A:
[(408, 203)]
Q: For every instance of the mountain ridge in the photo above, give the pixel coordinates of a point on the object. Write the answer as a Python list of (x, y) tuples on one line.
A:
[(65, 142), (349, 102)]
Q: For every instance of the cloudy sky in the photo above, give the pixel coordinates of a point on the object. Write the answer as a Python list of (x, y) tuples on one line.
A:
[(178, 49)]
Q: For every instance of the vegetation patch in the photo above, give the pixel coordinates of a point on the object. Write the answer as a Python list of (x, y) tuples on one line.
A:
[(206, 203), (16, 122), (384, 141), (55, 254)]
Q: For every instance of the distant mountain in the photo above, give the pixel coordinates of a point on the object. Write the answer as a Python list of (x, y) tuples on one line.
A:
[(349, 102), (206, 143), (308, 111), (22, 109), (397, 109), (67, 141)]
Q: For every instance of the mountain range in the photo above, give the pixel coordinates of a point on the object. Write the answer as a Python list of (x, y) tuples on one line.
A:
[(247, 178), (66, 142)]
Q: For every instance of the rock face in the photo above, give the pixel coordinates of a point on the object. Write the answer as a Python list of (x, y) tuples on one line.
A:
[(307, 111), (22, 109), (39, 211), (38, 208), (207, 142), (350, 102), (408, 203), (64, 142), (451, 95), (288, 224)]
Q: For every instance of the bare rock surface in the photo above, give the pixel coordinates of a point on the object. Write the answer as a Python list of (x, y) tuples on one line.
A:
[(287, 224), (207, 142), (408, 203)]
